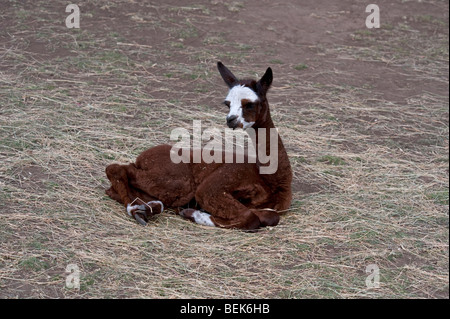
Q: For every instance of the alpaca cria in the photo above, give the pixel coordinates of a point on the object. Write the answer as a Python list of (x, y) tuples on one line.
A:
[(230, 195)]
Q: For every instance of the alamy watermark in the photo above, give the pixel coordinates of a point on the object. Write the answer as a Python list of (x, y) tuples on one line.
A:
[(73, 277), (373, 19), (73, 19), (228, 147), (373, 280)]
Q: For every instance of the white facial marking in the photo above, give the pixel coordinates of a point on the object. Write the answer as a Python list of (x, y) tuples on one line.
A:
[(202, 218), (235, 96)]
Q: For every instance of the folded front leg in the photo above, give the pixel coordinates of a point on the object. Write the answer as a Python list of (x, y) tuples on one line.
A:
[(225, 210)]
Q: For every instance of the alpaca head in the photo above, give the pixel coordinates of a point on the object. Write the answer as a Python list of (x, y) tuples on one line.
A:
[(246, 99)]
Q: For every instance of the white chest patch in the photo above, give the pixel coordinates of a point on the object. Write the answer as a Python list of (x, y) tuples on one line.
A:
[(235, 97)]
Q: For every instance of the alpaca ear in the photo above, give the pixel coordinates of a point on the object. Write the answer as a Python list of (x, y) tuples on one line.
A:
[(266, 81), (226, 74)]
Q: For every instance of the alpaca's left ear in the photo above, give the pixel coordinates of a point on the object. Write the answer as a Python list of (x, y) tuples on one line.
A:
[(266, 81), (226, 74)]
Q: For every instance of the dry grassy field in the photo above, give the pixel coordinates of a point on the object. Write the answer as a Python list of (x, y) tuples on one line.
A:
[(363, 113)]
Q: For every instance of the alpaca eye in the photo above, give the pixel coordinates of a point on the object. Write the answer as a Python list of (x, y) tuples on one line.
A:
[(249, 106), (227, 103)]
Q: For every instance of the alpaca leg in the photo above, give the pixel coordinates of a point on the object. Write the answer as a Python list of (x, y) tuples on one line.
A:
[(113, 194), (225, 210), (120, 190), (245, 220), (143, 212), (134, 193), (267, 217), (197, 216), (205, 219)]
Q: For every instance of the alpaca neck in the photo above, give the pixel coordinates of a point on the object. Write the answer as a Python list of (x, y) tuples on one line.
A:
[(262, 142)]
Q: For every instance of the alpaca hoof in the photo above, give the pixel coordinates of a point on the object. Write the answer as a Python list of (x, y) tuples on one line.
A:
[(139, 213), (140, 220)]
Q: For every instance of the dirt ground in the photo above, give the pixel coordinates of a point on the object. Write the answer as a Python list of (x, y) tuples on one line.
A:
[(363, 113)]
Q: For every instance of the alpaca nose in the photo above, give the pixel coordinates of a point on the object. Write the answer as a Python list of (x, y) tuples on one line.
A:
[(231, 119)]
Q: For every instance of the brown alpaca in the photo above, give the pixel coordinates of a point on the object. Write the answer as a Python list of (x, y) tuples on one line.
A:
[(230, 195)]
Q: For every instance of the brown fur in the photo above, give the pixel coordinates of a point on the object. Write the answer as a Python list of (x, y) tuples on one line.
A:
[(236, 195)]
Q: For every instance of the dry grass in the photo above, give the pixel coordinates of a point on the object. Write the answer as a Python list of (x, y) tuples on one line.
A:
[(371, 164)]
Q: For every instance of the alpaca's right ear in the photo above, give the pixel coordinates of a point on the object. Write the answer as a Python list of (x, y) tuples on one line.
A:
[(226, 74), (266, 81)]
